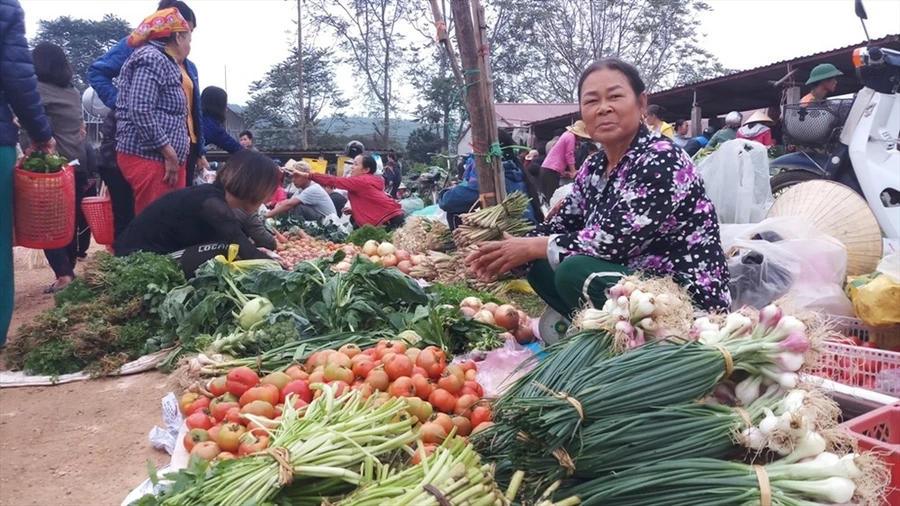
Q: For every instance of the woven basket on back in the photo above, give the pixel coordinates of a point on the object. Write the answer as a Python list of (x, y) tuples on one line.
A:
[(840, 212)]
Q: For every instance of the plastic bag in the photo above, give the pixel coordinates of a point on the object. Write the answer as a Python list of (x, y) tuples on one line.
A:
[(875, 295), (561, 193), (167, 438), (246, 266), (736, 177), (411, 205), (786, 256), (499, 371), (890, 266)]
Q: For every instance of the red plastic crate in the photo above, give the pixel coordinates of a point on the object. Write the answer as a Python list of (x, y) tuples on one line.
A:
[(879, 431), (856, 366)]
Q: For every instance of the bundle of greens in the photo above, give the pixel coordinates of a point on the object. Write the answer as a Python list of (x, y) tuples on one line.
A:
[(103, 319), (490, 223), (445, 327), (332, 440), (318, 229), (41, 162), (362, 235)]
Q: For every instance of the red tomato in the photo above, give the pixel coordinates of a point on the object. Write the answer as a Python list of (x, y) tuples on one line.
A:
[(299, 387), (463, 425), (444, 421), (398, 366), (379, 380), (296, 372), (350, 349), (193, 437), (464, 404), (398, 347), (199, 420), (198, 406), (433, 360), (467, 366), (217, 386), (207, 450), (214, 432), (266, 393), (339, 387), (362, 368), (253, 445), (427, 449), (870, 344), (403, 387), (234, 415), (229, 437), (442, 400), (480, 415), (259, 408), (276, 379), (423, 385), (413, 354), (241, 379), (185, 401), (475, 386), (450, 382), (418, 370), (431, 432)]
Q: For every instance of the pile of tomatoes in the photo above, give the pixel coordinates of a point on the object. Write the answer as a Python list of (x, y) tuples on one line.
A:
[(296, 249), (442, 397)]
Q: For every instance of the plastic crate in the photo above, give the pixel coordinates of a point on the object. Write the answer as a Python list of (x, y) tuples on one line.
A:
[(856, 366), (879, 431), (887, 337)]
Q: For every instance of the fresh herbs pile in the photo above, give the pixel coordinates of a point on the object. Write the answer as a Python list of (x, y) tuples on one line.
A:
[(362, 235), (101, 320), (44, 163), (319, 229)]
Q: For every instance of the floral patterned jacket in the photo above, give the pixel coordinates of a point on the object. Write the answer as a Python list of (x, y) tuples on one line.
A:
[(652, 215)]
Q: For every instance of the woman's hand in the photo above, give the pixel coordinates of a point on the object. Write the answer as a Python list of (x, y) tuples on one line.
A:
[(203, 163), (170, 159), (499, 257)]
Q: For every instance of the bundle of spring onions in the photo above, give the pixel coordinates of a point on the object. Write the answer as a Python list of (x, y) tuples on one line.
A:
[(825, 478), (664, 373), (639, 310), (453, 474), (331, 439), (490, 223)]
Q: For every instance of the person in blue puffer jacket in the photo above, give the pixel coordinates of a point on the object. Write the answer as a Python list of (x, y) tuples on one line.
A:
[(100, 76), (214, 104), (19, 98), (460, 199)]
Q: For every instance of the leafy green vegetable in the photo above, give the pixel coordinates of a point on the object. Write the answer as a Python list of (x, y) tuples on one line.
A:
[(454, 293), (44, 163), (316, 229), (368, 233)]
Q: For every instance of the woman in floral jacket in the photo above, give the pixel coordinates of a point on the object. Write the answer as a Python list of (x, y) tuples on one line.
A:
[(638, 205)]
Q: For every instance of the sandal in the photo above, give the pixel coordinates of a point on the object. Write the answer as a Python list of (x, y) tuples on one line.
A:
[(53, 288)]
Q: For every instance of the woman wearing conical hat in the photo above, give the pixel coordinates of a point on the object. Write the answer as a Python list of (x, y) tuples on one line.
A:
[(757, 128)]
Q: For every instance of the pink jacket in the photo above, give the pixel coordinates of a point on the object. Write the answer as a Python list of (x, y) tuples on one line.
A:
[(562, 155)]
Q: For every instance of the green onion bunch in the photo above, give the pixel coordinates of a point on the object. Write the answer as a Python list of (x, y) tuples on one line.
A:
[(453, 474), (826, 479), (490, 223)]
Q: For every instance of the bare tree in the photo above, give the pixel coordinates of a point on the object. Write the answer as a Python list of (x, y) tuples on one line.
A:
[(369, 35)]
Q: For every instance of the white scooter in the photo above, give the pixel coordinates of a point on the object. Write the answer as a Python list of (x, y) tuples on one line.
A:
[(867, 156)]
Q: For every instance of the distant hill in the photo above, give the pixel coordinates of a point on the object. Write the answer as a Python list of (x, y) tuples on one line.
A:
[(360, 125)]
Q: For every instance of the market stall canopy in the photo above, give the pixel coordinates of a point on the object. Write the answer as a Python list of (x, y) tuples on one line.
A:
[(753, 89)]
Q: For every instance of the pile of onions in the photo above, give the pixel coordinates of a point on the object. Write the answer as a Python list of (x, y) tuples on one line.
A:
[(515, 322), (387, 255)]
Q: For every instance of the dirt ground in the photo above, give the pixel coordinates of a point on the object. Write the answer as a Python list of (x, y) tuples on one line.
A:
[(75, 444)]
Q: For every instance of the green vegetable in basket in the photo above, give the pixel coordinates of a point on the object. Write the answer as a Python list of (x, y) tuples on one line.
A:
[(44, 163)]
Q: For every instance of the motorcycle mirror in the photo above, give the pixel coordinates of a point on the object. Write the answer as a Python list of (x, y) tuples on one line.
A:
[(860, 10)]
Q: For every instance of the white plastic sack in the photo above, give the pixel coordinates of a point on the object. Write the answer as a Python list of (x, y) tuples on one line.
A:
[(786, 256), (736, 177), (560, 193), (890, 266)]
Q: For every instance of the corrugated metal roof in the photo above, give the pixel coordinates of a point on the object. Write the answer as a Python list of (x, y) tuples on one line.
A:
[(516, 115), (799, 60)]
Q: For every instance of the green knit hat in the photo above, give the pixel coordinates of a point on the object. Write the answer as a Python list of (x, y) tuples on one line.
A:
[(823, 72)]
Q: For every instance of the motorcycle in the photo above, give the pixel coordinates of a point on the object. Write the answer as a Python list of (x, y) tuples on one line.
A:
[(853, 142)]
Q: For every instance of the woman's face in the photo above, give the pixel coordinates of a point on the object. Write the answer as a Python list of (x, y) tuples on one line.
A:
[(610, 110), (182, 44), (357, 169)]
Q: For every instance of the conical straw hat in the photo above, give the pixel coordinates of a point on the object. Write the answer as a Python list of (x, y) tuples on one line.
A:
[(838, 211)]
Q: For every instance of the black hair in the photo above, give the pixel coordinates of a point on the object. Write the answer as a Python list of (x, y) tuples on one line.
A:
[(680, 122), (247, 134), (506, 145), (631, 73), (51, 65), (250, 176), (186, 12), (213, 102), (709, 131), (656, 110), (368, 162)]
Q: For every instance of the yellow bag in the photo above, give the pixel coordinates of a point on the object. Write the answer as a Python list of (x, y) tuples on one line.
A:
[(246, 266), (876, 299)]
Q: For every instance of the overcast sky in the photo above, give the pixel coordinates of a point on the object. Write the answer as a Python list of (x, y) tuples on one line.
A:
[(250, 36)]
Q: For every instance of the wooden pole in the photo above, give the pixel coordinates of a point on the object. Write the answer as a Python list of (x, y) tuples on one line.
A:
[(484, 133), (487, 83), (303, 138), (444, 41)]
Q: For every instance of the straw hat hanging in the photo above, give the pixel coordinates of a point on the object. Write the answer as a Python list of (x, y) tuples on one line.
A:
[(840, 212)]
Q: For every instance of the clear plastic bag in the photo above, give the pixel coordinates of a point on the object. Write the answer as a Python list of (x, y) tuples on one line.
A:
[(736, 177), (411, 205), (786, 256)]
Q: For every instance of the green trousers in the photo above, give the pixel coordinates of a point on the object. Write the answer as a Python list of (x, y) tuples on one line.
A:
[(575, 280), (7, 288)]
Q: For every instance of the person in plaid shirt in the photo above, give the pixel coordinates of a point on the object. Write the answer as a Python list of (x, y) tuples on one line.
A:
[(152, 135)]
